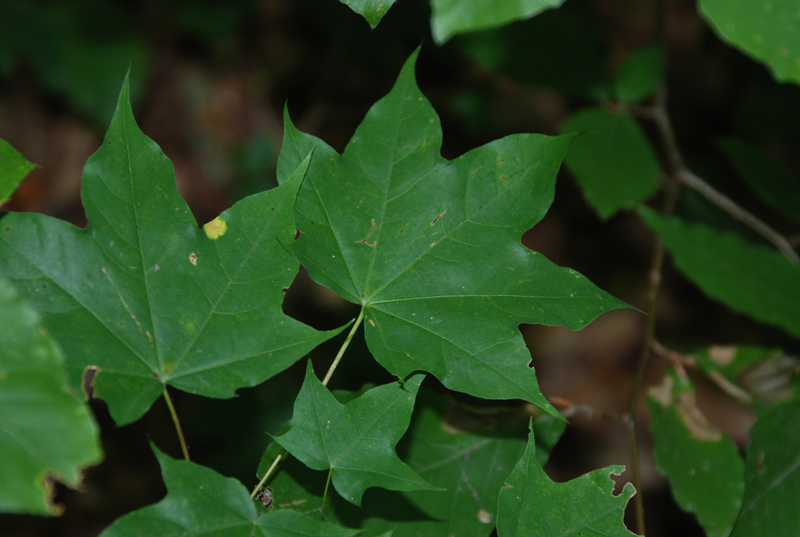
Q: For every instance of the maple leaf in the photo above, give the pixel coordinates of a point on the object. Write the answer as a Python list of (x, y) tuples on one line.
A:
[(145, 296), (469, 455), (355, 441), (431, 248), (532, 504), (199, 501)]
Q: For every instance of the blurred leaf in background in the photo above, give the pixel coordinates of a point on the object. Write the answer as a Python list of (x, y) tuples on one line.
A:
[(778, 187), (612, 160), (703, 465), (80, 50), (749, 278), (13, 169), (46, 432)]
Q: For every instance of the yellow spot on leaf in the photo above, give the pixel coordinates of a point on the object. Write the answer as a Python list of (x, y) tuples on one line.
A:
[(193, 258), (216, 228)]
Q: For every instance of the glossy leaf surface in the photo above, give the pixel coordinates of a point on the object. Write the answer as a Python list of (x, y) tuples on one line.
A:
[(772, 474), (355, 441), (767, 31), (532, 504), (467, 454), (611, 160), (703, 466), (13, 169), (752, 279), (199, 501), (431, 248), (44, 430), (372, 10), (453, 16), (145, 296)]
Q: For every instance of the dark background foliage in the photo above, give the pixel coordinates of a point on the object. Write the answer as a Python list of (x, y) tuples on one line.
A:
[(210, 80)]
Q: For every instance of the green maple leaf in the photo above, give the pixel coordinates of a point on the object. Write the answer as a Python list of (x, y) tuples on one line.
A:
[(532, 504), (355, 441), (199, 501), (145, 296), (431, 248), (469, 455)]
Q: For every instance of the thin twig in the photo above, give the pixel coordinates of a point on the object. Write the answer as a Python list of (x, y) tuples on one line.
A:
[(676, 168), (721, 200), (674, 162), (177, 423)]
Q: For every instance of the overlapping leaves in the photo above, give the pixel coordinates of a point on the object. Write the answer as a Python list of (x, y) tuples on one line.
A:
[(431, 248), (145, 296), (199, 501), (532, 504), (467, 454), (354, 441)]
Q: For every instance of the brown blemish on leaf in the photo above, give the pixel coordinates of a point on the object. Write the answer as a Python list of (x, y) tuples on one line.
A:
[(722, 355), (484, 516), (438, 216), (193, 258), (694, 420), (663, 392), (370, 321), (365, 239), (216, 228)]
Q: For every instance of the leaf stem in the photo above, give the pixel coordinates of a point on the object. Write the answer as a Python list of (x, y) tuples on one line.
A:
[(346, 344), (327, 378), (325, 495), (268, 473), (177, 423)]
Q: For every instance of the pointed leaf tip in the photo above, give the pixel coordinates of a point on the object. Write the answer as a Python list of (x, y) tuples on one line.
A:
[(144, 295), (356, 441), (432, 248)]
